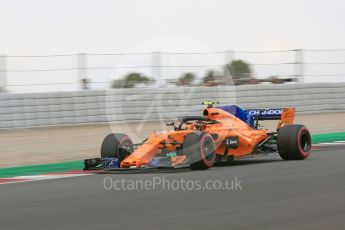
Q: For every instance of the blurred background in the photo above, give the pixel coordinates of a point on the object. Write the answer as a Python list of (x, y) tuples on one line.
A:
[(87, 71), (77, 45)]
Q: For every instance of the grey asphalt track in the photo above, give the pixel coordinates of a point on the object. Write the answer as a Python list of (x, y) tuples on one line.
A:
[(275, 195)]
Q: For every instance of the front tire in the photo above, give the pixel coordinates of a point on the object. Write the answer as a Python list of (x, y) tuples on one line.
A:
[(200, 150), (294, 142), (111, 146)]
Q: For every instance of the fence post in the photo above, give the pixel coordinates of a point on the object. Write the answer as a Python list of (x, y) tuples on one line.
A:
[(229, 56), (3, 73), (299, 62), (156, 63), (82, 71)]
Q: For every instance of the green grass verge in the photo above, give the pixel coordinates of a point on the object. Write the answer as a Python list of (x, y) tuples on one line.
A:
[(78, 165), (328, 137)]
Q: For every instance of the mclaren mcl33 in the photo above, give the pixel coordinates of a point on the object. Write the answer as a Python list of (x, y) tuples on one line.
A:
[(223, 133)]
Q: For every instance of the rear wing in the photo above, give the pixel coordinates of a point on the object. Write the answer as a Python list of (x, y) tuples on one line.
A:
[(265, 114), (286, 116), (250, 116)]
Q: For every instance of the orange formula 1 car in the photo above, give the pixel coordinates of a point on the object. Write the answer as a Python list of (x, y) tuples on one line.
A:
[(223, 133)]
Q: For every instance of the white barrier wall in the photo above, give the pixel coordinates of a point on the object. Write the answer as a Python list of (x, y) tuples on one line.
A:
[(64, 108)]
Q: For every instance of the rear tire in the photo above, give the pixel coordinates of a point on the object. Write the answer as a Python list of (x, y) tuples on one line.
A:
[(111, 146), (200, 150), (294, 142)]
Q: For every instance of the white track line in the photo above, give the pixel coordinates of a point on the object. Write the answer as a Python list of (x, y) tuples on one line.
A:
[(332, 143), (41, 177)]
